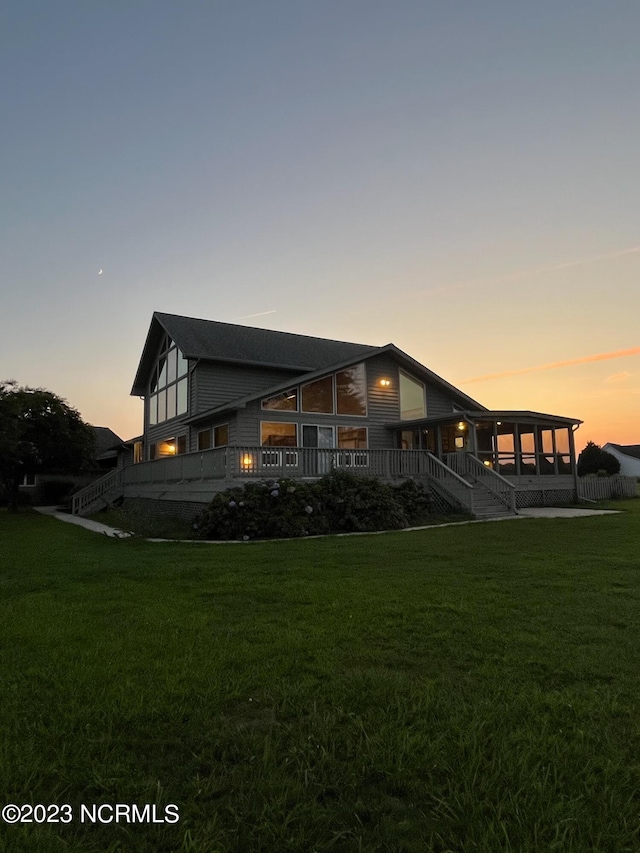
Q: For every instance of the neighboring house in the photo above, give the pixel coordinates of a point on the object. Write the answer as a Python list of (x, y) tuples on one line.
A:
[(226, 403), (628, 455), (107, 443), (52, 487)]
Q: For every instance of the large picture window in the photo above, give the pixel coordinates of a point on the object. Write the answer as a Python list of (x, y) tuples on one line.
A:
[(168, 390), (318, 396), (344, 393), (287, 401), (351, 391), (412, 398), (278, 434)]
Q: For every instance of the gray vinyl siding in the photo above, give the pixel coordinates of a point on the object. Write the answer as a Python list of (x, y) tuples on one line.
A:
[(384, 402), (383, 407), (219, 383), (438, 403), (212, 385)]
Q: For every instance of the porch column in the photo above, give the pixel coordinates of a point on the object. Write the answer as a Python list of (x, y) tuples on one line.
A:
[(474, 437), (537, 446)]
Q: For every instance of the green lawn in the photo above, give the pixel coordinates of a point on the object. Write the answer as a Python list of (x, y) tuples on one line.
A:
[(470, 688)]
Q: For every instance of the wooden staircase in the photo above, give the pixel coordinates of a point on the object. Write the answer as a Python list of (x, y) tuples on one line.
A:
[(99, 494)]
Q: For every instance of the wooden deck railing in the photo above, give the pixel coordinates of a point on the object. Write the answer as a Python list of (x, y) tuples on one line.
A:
[(249, 461)]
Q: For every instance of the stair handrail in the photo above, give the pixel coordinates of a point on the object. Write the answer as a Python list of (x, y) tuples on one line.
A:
[(450, 482), (87, 495), (498, 485)]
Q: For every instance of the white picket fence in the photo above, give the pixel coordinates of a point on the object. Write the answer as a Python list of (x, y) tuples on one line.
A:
[(606, 488)]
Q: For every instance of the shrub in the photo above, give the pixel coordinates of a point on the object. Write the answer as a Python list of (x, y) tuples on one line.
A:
[(415, 501), (274, 509), (594, 460), (355, 504), (338, 503)]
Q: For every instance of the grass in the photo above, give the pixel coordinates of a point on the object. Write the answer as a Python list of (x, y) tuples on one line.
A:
[(459, 689), (144, 523)]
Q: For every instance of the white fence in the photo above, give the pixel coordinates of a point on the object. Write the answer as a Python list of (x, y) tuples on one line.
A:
[(605, 488)]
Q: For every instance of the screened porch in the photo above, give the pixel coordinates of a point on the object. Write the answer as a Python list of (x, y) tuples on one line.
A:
[(513, 444)]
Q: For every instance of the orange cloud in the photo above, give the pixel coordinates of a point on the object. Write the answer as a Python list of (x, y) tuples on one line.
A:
[(603, 356)]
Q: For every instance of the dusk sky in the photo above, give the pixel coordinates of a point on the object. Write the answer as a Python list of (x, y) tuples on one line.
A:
[(458, 178)]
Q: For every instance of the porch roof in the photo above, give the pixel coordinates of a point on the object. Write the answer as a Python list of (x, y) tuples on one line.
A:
[(510, 416)]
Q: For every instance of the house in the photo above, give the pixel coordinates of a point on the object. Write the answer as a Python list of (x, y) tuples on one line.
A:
[(55, 487), (628, 455), (225, 403)]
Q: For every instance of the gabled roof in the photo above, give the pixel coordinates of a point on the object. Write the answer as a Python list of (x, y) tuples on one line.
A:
[(417, 369), (626, 449), (210, 340), (106, 439)]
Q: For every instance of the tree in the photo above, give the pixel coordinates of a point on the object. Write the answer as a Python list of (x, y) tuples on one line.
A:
[(594, 459), (40, 433)]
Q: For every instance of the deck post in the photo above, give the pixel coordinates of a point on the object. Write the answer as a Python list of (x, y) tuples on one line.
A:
[(574, 462)]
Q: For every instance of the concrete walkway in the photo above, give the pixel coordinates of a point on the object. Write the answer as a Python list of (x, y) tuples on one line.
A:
[(533, 512), (563, 512), (95, 526)]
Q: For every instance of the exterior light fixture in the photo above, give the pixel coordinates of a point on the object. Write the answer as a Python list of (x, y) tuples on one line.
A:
[(385, 383), (247, 461), (488, 463), (462, 426)]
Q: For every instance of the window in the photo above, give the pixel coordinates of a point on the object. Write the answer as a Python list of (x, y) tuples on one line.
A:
[(152, 452), (412, 400), (168, 390), (409, 439), (351, 391), (278, 434), (354, 438), (287, 401), (171, 446), (28, 480), (221, 435), (166, 447), (137, 452), (204, 439), (318, 396)]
